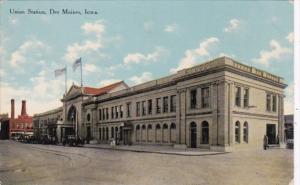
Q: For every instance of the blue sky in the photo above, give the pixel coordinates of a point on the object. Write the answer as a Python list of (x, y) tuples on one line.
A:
[(136, 42)]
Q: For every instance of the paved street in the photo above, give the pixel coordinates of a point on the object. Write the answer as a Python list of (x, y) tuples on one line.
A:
[(46, 164)]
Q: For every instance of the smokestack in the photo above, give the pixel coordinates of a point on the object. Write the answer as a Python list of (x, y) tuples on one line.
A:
[(23, 111), (12, 108)]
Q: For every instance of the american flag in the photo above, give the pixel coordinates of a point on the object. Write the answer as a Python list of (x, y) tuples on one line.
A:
[(59, 72), (76, 64)]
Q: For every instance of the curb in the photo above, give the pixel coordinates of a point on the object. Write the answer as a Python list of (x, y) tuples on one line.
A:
[(155, 152)]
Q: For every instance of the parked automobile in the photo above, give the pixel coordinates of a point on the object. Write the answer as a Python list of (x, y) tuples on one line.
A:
[(72, 140), (26, 138), (47, 139), (290, 143), (15, 136)]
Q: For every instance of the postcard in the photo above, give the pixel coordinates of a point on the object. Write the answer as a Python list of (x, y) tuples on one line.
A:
[(147, 92)]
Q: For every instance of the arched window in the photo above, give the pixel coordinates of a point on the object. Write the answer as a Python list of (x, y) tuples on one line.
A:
[(143, 127), (165, 126), (112, 132), (157, 126), (100, 133), (149, 127), (237, 132), (72, 114), (205, 133), (107, 133), (173, 126), (103, 133), (137, 133), (88, 117), (116, 132), (193, 135), (245, 132)]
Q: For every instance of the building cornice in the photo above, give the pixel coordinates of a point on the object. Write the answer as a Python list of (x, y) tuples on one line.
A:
[(211, 67)]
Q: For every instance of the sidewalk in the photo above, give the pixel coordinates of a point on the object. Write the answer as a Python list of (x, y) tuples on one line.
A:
[(156, 149)]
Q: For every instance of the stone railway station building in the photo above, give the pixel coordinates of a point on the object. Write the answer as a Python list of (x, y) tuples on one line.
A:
[(219, 105)]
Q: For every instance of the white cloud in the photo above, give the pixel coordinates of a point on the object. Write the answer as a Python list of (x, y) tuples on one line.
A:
[(96, 27), (146, 76), (192, 55), (77, 50), (233, 25), (47, 94), (136, 58), (90, 68), (290, 37), (170, 28), (28, 48), (108, 82), (276, 52), (289, 99)]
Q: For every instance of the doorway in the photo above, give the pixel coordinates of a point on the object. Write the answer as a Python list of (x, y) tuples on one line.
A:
[(193, 134), (271, 133), (127, 136), (88, 133)]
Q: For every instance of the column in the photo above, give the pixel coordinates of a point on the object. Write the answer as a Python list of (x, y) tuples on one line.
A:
[(199, 100), (230, 108), (180, 116), (214, 107), (281, 121), (94, 128)]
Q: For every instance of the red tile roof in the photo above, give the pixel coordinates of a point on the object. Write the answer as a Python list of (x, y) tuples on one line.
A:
[(101, 90)]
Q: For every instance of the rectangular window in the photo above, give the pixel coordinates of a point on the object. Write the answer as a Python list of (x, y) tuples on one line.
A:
[(107, 115), (138, 108), (112, 113), (128, 110), (103, 114), (268, 102), (143, 108), (193, 98), (121, 111), (246, 97), (149, 106), (100, 114), (205, 97), (274, 105), (173, 103), (165, 104), (238, 96), (158, 105), (116, 110)]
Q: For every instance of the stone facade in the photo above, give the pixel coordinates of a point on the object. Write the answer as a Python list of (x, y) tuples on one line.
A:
[(220, 105)]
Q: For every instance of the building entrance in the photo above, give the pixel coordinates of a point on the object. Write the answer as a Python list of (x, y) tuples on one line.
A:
[(193, 135), (88, 133), (271, 133), (127, 134)]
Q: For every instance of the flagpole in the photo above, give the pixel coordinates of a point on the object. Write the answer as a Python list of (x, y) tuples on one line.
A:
[(81, 72), (66, 88), (81, 93)]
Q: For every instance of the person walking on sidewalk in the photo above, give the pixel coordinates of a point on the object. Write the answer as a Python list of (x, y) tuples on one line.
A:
[(265, 142)]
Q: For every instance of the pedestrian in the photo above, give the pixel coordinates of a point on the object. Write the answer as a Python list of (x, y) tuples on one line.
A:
[(265, 142)]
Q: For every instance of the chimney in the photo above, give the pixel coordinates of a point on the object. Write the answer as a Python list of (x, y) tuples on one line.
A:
[(23, 111), (12, 109)]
